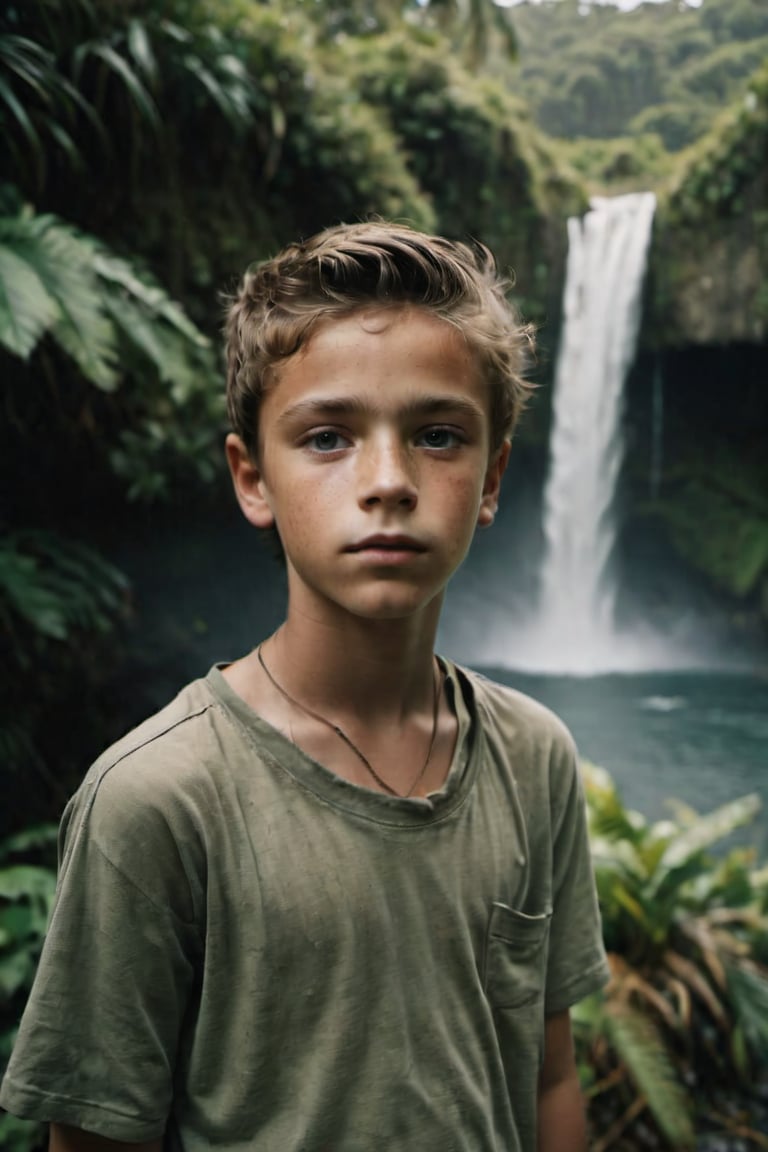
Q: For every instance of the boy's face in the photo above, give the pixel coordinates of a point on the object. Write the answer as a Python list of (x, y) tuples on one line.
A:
[(374, 464)]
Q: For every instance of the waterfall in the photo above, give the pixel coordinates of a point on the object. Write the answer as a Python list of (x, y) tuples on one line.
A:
[(601, 305)]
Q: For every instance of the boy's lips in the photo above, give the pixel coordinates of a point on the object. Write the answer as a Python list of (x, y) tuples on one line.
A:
[(383, 542)]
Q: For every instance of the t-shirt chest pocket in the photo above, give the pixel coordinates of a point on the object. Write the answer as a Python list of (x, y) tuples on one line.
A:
[(516, 956)]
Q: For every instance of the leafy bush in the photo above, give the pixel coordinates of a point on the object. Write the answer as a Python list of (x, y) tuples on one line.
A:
[(27, 886), (117, 325), (61, 606), (685, 1015)]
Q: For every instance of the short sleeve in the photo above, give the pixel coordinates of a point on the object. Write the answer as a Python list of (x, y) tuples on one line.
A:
[(577, 964), (98, 1040)]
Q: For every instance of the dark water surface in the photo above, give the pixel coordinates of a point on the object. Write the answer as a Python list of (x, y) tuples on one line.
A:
[(700, 737)]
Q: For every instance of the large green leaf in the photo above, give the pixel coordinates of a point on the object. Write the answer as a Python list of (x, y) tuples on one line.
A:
[(119, 273), (61, 282), (27, 882), (83, 329), (53, 278), (27, 309), (708, 830), (22, 587)]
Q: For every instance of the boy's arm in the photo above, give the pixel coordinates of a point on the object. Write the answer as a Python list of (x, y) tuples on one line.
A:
[(66, 1139), (561, 1123)]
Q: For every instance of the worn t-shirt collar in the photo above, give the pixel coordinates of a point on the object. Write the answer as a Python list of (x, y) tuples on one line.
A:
[(343, 794)]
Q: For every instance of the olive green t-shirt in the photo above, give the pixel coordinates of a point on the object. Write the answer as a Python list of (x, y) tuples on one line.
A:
[(248, 952)]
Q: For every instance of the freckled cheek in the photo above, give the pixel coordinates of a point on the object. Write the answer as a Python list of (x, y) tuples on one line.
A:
[(309, 509), (462, 500)]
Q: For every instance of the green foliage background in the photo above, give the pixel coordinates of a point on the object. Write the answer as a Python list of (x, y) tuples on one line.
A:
[(593, 71)]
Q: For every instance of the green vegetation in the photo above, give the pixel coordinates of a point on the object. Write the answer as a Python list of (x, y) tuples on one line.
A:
[(709, 278), (683, 1025), (27, 885), (718, 290), (474, 152), (590, 70)]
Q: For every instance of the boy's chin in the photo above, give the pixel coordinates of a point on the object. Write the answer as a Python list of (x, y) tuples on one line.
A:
[(402, 607)]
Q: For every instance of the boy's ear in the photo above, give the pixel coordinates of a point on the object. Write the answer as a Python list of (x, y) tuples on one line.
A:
[(248, 480), (489, 502)]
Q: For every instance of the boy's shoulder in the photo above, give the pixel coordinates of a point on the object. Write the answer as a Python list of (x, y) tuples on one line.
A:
[(499, 706), (528, 741), (171, 758), (177, 724)]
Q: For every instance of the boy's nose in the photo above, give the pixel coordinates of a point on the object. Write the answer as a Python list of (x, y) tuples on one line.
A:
[(387, 476)]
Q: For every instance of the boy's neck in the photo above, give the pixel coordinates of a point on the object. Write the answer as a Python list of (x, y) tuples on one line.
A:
[(377, 669), (364, 698)]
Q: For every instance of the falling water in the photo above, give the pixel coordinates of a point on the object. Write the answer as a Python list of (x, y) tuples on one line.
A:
[(602, 300)]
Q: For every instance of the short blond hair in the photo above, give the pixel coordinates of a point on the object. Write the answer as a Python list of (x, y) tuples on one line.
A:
[(282, 301)]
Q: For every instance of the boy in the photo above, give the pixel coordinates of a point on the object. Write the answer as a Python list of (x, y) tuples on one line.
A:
[(337, 896)]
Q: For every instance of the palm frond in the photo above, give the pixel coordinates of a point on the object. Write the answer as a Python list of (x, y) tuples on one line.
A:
[(113, 63), (639, 1046), (38, 100), (140, 48)]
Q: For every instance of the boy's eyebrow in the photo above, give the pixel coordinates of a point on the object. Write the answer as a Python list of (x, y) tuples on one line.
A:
[(425, 405)]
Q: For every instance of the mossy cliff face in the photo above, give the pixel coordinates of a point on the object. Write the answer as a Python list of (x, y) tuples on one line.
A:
[(709, 265), (706, 324)]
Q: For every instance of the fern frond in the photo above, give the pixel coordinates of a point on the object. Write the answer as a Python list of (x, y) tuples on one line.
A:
[(639, 1046)]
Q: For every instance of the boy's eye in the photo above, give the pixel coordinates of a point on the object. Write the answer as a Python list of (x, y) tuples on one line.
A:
[(438, 437), (326, 441)]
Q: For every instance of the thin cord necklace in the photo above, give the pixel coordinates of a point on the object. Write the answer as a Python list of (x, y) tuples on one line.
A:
[(437, 680)]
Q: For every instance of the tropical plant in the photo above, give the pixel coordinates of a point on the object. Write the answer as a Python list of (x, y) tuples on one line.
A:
[(66, 68), (27, 886), (39, 106), (61, 604), (55, 279), (685, 1013), (117, 324), (90, 341)]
